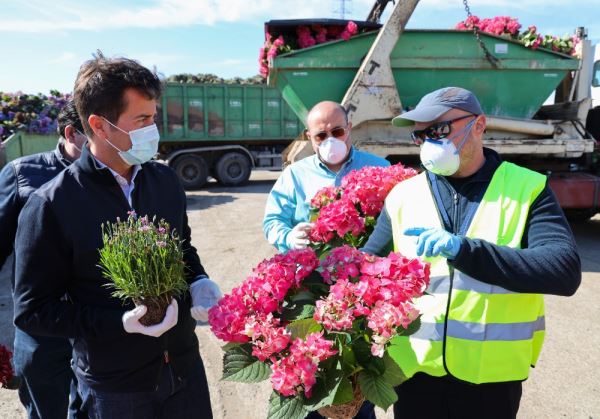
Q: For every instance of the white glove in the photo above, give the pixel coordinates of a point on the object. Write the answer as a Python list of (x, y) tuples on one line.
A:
[(131, 321), (205, 294), (298, 237)]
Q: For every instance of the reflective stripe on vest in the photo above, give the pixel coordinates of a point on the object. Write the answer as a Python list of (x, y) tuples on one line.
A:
[(485, 333)]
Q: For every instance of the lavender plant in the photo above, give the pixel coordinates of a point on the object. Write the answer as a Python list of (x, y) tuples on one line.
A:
[(143, 259)]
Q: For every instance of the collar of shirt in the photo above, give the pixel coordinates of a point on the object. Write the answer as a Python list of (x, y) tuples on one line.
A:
[(59, 151), (126, 187)]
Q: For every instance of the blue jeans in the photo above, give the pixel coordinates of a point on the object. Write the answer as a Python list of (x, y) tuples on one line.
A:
[(47, 380), (175, 398)]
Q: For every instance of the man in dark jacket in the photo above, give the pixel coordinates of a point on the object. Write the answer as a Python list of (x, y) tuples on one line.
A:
[(43, 363), (124, 369), (497, 240)]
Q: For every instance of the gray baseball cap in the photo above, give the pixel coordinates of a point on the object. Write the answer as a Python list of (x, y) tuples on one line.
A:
[(437, 103)]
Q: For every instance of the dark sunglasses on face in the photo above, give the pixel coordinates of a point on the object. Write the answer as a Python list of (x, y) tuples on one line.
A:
[(437, 131), (337, 132)]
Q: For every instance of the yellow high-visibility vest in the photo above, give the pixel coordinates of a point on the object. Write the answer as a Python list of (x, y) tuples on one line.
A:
[(477, 332)]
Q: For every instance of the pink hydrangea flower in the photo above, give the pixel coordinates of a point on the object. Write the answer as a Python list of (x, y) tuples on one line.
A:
[(361, 195), (297, 372), (261, 294), (267, 337), (325, 196), (339, 217), (385, 318), (341, 264)]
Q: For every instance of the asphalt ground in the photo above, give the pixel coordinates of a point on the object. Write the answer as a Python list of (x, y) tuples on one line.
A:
[(226, 230)]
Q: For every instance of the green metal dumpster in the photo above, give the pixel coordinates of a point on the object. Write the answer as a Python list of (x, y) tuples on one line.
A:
[(423, 61), (221, 113), (22, 144)]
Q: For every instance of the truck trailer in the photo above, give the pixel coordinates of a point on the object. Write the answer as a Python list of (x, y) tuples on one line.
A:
[(223, 131)]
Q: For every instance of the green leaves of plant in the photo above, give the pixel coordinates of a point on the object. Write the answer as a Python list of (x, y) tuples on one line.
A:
[(333, 388), (300, 306), (302, 328), (377, 389), (240, 365), (412, 328), (393, 375), (362, 352), (281, 407)]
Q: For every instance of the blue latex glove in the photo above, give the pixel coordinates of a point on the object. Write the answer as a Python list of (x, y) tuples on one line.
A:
[(435, 242), (205, 294)]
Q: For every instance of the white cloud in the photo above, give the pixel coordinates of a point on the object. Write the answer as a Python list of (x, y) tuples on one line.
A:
[(68, 15), (72, 15)]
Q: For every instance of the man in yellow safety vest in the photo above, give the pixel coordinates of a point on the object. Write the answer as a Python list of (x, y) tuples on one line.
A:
[(497, 240)]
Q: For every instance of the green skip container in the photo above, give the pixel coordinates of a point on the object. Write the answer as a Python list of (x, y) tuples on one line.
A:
[(423, 61)]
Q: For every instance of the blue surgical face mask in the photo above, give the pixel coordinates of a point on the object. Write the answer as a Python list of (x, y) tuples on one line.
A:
[(442, 157), (144, 144)]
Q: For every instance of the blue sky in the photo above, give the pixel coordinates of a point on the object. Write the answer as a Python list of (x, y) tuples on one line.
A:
[(44, 42)]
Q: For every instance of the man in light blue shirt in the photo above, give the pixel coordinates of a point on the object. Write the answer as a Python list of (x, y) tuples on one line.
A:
[(287, 211)]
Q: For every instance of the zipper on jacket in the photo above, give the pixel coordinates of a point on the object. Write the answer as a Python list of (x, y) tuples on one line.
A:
[(455, 227), (166, 361)]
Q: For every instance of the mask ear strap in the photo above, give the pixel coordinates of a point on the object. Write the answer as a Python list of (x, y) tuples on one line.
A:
[(114, 146), (467, 127), (123, 131)]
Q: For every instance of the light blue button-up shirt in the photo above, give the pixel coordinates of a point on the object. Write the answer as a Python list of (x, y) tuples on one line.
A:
[(289, 201)]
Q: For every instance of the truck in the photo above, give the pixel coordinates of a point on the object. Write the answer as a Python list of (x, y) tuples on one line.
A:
[(378, 74), (224, 131), (219, 130)]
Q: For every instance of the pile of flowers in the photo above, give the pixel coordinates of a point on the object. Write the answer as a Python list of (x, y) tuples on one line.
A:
[(347, 214), (316, 326), (320, 322), (6, 370), (30, 113), (510, 27), (305, 36)]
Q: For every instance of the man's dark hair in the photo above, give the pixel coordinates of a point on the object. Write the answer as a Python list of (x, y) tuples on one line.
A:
[(68, 116), (101, 83)]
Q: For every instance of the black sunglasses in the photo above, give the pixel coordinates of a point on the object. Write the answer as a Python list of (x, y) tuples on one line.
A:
[(337, 132), (437, 131)]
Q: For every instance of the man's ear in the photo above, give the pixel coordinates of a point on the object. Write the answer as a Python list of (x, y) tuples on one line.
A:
[(480, 124), (98, 126), (70, 133)]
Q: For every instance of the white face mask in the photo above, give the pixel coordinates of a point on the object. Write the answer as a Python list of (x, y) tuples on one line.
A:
[(441, 156), (144, 144), (332, 150)]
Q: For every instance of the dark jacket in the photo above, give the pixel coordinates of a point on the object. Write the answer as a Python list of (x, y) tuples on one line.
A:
[(547, 263), (57, 244), (19, 179)]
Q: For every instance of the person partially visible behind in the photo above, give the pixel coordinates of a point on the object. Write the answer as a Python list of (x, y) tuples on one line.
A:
[(497, 240), (286, 220), (42, 363)]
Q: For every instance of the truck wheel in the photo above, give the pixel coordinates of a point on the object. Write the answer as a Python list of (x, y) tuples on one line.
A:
[(192, 171), (233, 169)]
